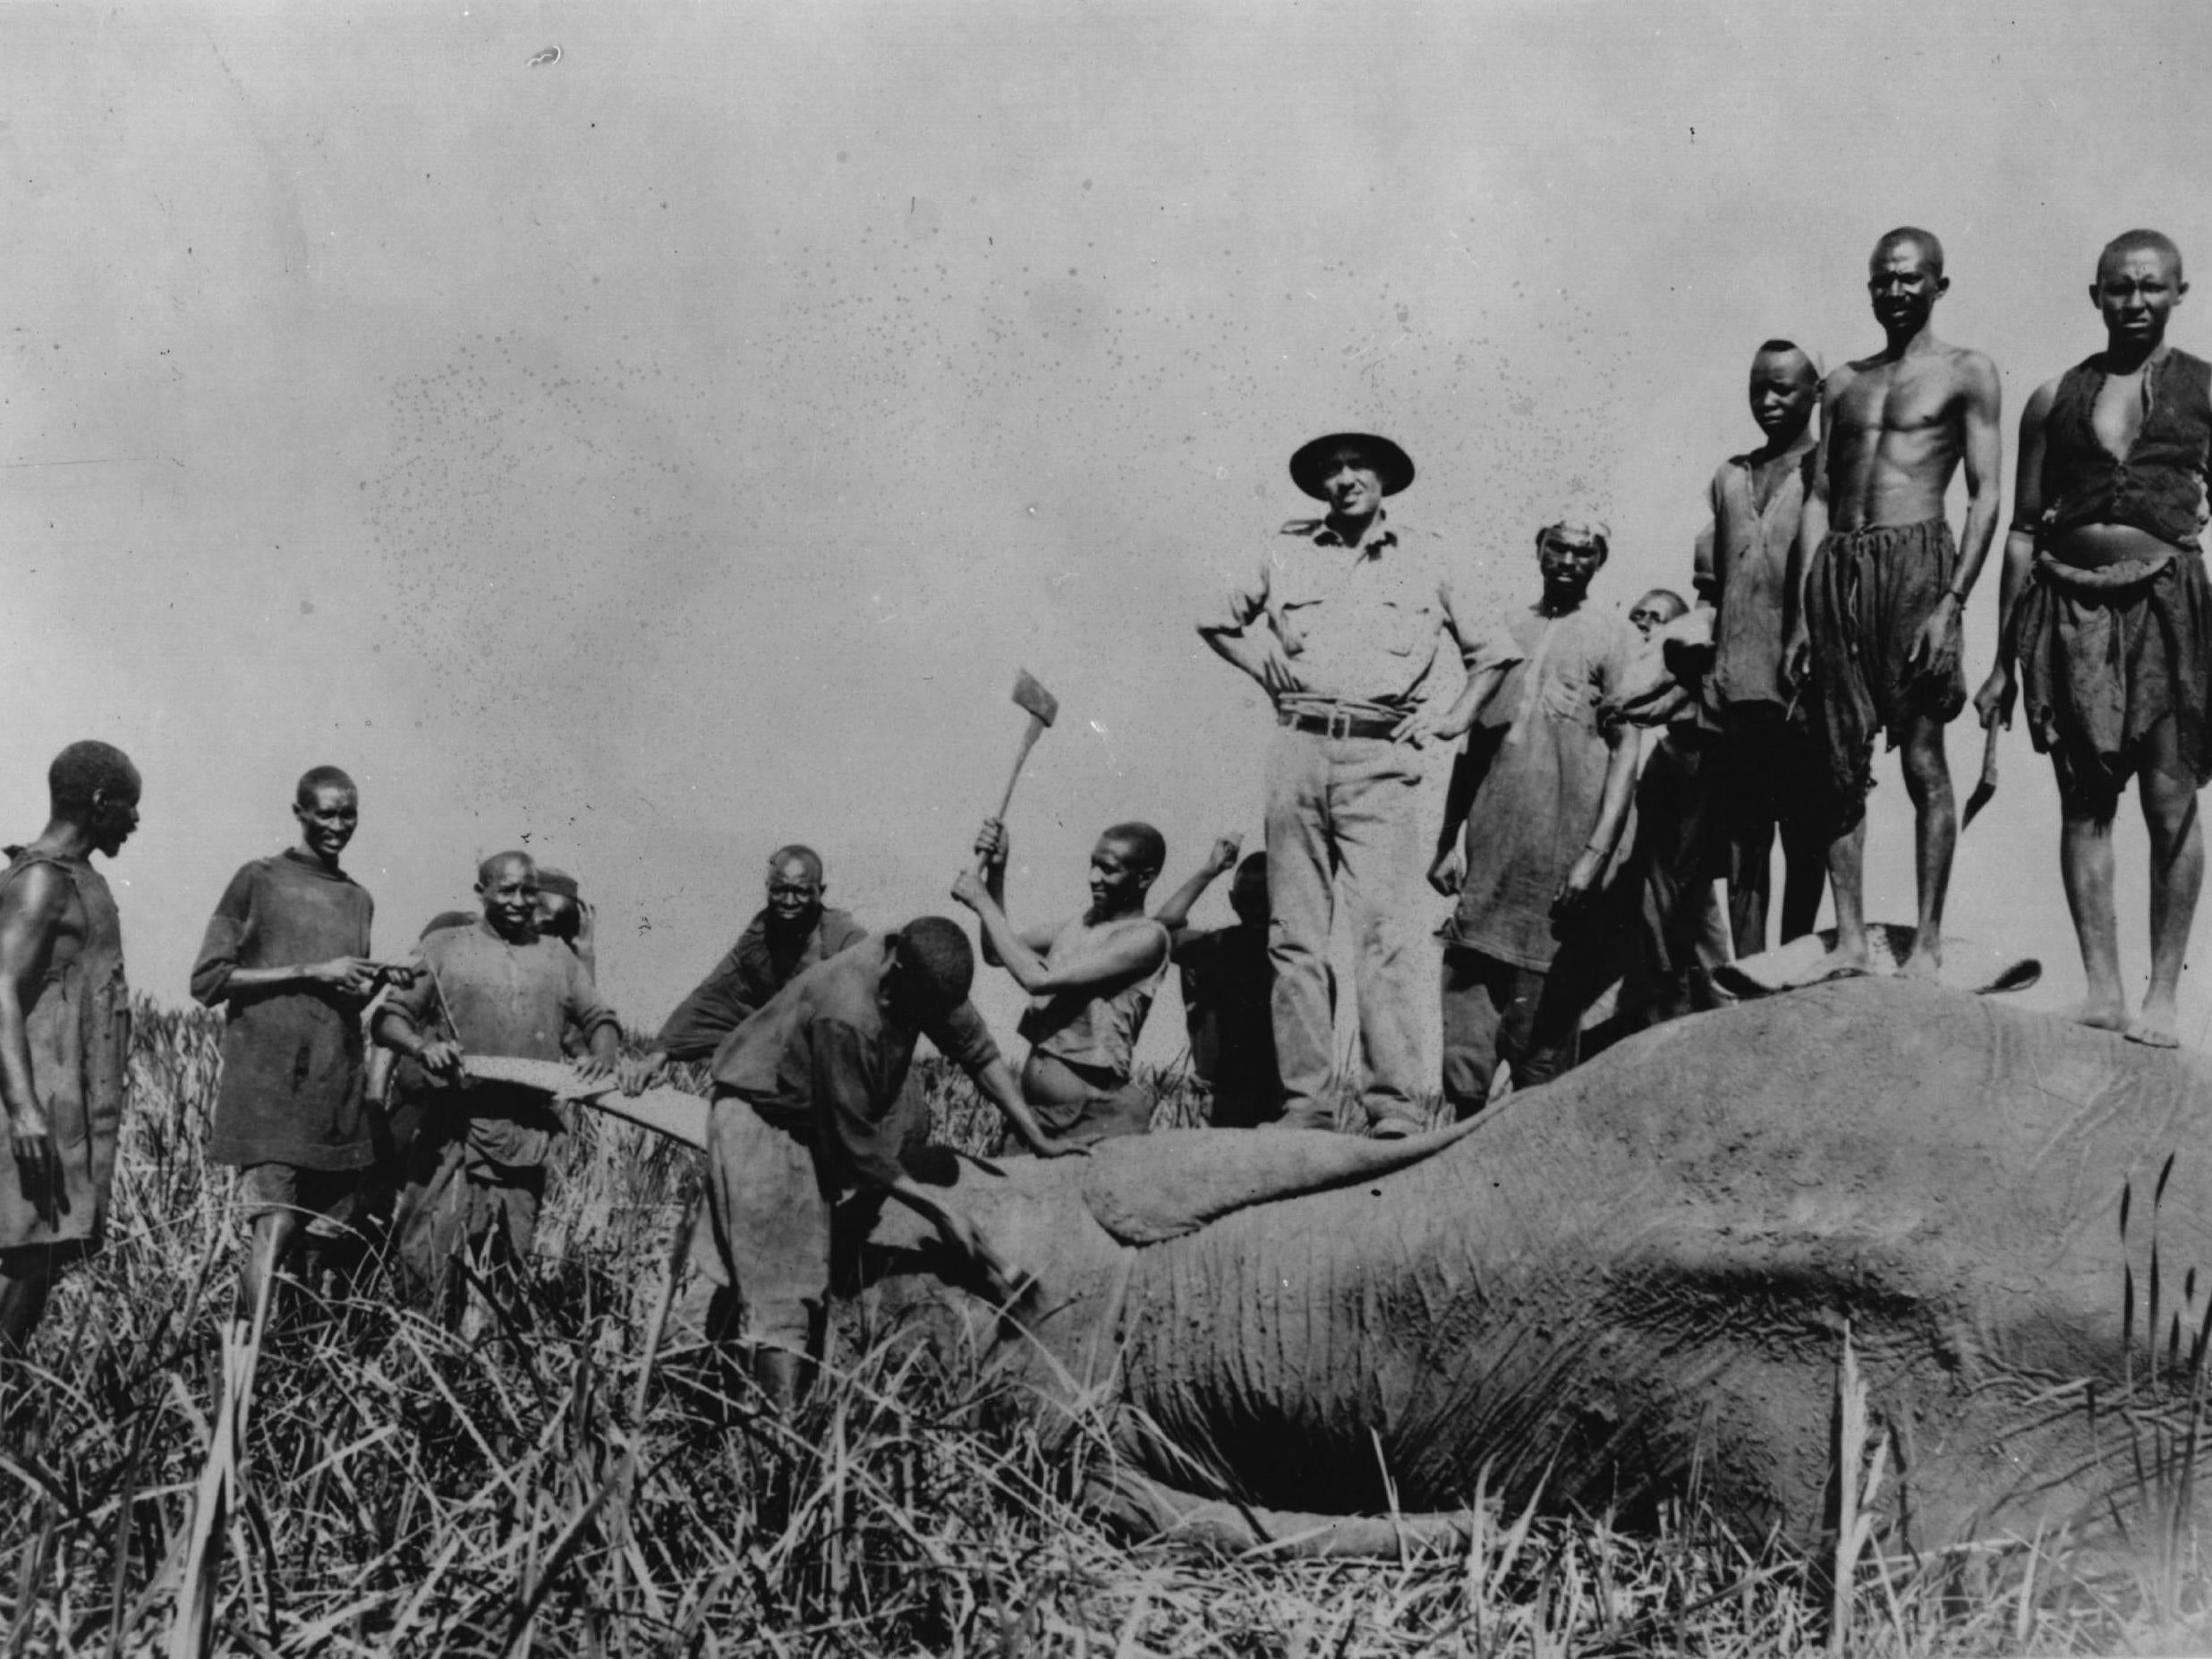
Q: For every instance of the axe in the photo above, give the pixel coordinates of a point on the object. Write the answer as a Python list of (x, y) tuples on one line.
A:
[(1987, 786), (1042, 708)]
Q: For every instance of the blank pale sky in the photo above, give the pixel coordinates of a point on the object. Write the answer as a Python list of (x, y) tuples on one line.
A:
[(673, 450)]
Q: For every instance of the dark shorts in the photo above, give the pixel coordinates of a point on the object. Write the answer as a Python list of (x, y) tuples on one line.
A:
[(1867, 594), (324, 1197), (1113, 1107), (2110, 661)]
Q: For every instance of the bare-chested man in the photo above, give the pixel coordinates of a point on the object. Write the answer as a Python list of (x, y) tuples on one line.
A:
[(1879, 585), (1092, 978), (64, 1031), (2109, 616)]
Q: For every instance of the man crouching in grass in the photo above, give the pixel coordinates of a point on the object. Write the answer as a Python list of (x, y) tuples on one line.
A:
[(286, 959), (476, 1170), (802, 1115)]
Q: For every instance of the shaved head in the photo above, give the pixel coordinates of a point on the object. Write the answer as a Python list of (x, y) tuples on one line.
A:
[(2141, 242), (90, 768), (1666, 601), (320, 777), (1788, 353), (797, 853), (1146, 846), (1911, 237), (488, 872)]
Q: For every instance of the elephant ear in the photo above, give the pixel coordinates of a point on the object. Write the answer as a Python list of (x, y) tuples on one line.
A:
[(1145, 1189)]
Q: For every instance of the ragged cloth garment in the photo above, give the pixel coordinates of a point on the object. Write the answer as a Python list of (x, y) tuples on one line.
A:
[(1542, 759), (78, 1029), (292, 1055), (2105, 656), (1867, 594)]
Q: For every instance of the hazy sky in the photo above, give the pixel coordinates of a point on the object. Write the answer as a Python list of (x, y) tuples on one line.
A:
[(673, 450)]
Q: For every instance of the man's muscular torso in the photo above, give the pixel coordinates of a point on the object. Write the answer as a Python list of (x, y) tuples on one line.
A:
[(1896, 431)]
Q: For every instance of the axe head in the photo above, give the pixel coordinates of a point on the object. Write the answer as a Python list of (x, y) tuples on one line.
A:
[(1034, 698)]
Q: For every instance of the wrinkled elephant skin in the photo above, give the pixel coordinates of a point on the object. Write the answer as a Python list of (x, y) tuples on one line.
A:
[(1637, 1278)]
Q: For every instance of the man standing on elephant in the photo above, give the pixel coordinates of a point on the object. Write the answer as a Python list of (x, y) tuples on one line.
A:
[(1092, 979), (2109, 616), (1765, 752), (1339, 626), (1544, 792), (1879, 585)]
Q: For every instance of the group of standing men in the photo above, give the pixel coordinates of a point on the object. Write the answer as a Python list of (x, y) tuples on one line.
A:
[(1832, 594)]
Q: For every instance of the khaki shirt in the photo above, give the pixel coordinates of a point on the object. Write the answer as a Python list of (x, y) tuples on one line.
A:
[(1358, 625)]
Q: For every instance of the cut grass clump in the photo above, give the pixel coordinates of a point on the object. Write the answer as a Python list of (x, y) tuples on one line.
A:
[(403, 1491)]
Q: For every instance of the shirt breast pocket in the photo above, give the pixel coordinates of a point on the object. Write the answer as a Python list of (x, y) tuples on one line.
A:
[(1405, 625)]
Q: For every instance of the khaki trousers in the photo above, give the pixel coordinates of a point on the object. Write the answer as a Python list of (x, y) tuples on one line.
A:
[(1345, 806)]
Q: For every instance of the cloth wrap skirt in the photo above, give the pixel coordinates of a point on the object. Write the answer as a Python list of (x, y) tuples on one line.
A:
[(2107, 654), (1867, 594)]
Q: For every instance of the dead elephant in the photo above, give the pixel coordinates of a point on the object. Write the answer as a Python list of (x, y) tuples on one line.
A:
[(1635, 1282), (1632, 1284)]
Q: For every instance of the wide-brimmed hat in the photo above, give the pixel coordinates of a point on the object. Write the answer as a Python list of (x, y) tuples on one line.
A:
[(1393, 467)]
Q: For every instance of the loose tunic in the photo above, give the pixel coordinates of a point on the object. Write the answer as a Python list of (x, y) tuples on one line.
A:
[(746, 978), (292, 1055), (78, 1028), (1541, 759)]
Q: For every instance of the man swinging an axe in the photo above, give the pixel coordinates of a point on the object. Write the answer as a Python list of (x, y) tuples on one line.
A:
[(1092, 977)]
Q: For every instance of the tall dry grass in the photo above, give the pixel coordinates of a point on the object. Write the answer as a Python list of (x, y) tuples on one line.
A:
[(405, 1491)]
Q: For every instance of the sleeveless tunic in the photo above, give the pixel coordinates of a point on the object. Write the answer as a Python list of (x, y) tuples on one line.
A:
[(1092, 1028), (79, 1029)]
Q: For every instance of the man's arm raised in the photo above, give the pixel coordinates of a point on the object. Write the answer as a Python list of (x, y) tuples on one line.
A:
[(1174, 915), (1993, 701), (31, 912), (1936, 652), (1120, 955)]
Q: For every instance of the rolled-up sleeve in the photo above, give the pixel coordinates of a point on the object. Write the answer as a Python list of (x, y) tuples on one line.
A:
[(225, 939), (1485, 641), (1242, 603), (963, 1038)]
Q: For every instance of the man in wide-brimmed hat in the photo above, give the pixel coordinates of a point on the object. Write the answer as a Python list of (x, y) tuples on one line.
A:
[(1341, 628)]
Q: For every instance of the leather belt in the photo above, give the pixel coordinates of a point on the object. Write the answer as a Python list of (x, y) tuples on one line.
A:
[(1337, 723)]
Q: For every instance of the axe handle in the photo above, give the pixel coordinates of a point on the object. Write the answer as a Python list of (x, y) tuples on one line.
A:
[(1030, 734)]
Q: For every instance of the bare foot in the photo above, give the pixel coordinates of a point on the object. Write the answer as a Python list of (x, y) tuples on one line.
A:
[(2098, 1013), (1842, 963), (1925, 962), (2158, 1026)]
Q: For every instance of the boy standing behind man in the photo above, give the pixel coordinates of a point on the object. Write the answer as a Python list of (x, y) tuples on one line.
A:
[(286, 958)]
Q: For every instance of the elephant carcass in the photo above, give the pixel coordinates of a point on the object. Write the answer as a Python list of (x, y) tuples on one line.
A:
[(1634, 1282)]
